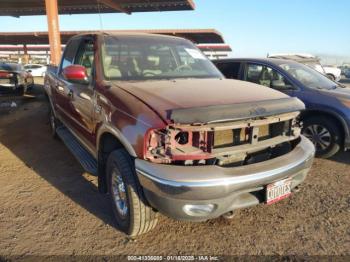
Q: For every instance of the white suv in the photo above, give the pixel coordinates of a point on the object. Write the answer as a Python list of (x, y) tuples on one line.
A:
[(332, 73)]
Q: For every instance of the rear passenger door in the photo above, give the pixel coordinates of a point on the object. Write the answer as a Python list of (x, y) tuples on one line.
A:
[(230, 70), (267, 76)]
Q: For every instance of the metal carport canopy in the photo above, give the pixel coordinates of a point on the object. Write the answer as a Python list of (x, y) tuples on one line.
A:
[(198, 36), (37, 7), (54, 7)]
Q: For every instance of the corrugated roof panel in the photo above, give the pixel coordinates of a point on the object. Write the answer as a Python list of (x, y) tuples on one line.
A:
[(37, 7), (198, 36)]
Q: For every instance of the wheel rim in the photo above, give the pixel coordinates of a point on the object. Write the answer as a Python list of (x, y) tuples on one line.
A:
[(319, 135), (119, 194)]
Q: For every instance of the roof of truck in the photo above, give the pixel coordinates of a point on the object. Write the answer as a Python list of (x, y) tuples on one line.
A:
[(129, 34)]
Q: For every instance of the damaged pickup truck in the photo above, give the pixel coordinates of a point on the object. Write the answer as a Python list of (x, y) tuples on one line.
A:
[(164, 132)]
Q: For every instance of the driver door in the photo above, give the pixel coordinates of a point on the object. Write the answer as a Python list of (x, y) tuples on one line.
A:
[(82, 94)]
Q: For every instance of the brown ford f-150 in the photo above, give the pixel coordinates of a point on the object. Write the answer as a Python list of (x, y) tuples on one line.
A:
[(164, 132)]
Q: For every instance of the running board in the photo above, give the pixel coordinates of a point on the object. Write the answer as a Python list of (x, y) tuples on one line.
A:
[(84, 157)]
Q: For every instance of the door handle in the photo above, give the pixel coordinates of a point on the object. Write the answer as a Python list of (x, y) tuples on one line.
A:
[(70, 93), (59, 88)]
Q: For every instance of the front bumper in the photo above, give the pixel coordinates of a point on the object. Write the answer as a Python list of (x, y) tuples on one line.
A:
[(169, 188)]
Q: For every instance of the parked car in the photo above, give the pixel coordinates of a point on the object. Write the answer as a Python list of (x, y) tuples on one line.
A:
[(36, 70), (163, 130), (13, 78), (333, 73), (345, 71), (327, 118), (306, 59)]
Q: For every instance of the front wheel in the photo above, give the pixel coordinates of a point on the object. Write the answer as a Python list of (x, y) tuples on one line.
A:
[(325, 134), (132, 214)]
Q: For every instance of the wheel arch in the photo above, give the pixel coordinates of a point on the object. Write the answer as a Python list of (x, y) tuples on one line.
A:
[(108, 131), (332, 75), (338, 119), (108, 141)]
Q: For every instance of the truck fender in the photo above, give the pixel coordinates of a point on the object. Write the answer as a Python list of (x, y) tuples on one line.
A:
[(107, 128)]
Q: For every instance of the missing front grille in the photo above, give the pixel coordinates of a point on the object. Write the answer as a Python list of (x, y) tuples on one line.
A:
[(232, 137)]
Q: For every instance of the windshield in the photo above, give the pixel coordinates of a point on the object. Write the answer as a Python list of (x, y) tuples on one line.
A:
[(308, 76), (10, 67), (147, 58)]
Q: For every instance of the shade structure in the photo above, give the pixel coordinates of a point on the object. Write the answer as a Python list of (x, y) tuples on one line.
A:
[(37, 7), (198, 36), (52, 8)]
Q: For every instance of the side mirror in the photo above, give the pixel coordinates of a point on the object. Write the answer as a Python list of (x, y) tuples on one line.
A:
[(76, 74)]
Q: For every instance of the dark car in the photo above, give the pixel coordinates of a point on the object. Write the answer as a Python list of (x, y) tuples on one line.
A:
[(13, 78), (347, 72), (164, 131), (327, 118)]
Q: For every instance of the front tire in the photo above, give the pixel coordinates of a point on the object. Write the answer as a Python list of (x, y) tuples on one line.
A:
[(325, 134), (132, 214)]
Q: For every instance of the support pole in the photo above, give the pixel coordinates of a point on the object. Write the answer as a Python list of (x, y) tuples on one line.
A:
[(54, 31)]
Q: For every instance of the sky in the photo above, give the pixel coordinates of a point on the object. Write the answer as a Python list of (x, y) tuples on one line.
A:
[(253, 28)]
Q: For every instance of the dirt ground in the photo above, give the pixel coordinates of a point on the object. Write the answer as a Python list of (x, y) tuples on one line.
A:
[(49, 206)]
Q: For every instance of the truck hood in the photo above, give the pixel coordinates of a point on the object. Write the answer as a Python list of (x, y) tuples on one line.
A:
[(197, 96)]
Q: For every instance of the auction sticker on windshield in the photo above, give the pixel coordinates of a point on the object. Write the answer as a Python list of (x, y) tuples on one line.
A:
[(195, 53), (278, 191)]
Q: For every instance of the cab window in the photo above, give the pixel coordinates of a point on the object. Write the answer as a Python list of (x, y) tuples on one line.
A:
[(230, 70), (266, 76), (69, 53), (85, 56)]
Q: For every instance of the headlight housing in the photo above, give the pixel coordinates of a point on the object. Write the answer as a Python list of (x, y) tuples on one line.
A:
[(168, 145)]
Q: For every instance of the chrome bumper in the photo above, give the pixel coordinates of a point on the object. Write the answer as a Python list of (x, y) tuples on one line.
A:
[(168, 188)]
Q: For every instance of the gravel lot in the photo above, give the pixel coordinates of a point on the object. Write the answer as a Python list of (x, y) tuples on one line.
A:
[(49, 206)]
